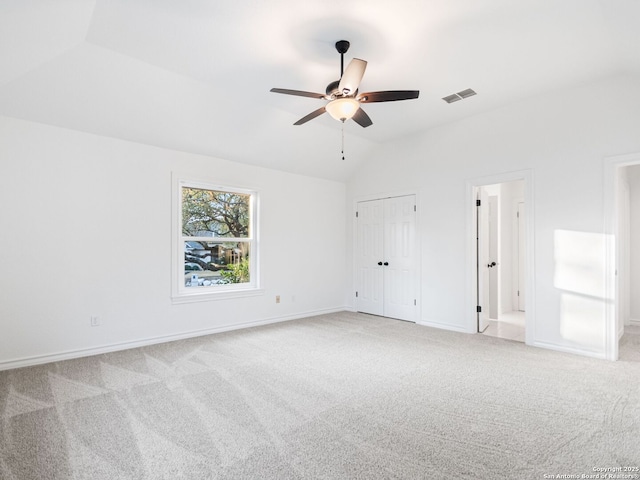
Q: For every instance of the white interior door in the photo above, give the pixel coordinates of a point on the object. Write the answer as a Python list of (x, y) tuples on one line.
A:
[(623, 279), (400, 258), (521, 245), (492, 263), (369, 257), (387, 258), (482, 232)]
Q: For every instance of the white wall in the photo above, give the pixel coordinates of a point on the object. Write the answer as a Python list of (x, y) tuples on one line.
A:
[(85, 218), (562, 138), (633, 177), (86, 230)]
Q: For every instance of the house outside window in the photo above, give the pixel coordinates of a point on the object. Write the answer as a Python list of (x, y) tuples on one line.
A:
[(215, 241)]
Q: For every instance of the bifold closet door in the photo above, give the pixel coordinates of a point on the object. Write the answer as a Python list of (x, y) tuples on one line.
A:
[(370, 253), (400, 255)]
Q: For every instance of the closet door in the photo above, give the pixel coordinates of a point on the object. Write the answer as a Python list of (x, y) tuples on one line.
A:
[(369, 257), (400, 255), (386, 258)]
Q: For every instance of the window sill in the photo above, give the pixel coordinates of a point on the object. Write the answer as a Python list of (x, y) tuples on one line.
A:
[(213, 296)]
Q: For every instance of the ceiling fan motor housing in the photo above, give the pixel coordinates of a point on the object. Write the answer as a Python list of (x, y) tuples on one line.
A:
[(332, 89)]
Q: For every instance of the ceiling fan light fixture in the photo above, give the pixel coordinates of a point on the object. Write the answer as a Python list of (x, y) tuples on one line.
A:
[(343, 97), (343, 109)]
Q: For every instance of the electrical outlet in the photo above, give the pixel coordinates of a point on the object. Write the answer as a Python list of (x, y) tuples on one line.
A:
[(277, 298), (95, 321)]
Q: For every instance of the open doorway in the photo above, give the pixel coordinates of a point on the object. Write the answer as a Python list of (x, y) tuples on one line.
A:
[(500, 255), (628, 252), (622, 256), (629, 268)]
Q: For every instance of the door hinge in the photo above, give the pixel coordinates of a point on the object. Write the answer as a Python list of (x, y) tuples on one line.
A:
[(356, 294), (478, 309), (415, 302), (478, 203), (518, 214), (415, 208), (356, 214), (518, 292)]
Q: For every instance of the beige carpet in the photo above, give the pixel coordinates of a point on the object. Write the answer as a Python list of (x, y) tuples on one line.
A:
[(343, 396)]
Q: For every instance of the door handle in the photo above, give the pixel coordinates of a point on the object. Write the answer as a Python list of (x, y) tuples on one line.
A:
[(386, 264), (492, 264), (379, 263)]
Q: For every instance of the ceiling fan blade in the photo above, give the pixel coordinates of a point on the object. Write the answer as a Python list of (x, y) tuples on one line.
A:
[(299, 93), (362, 119), (352, 76), (388, 96), (311, 116)]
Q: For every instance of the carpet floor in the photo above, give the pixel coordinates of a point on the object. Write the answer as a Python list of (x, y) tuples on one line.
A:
[(340, 396)]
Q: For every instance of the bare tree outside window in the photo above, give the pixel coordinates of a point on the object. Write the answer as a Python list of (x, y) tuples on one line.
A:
[(212, 213), (216, 233)]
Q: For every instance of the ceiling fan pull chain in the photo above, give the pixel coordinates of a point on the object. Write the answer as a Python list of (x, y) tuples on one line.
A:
[(343, 140)]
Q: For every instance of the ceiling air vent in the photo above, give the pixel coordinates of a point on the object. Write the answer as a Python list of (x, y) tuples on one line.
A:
[(467, 93), (454, 97)]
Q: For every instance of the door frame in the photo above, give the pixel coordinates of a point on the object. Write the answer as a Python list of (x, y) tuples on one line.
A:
[(612, 167), (354, 243), (472, 186)]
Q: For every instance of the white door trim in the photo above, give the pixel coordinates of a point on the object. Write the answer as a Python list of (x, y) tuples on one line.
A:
[(471, 258), (611, 231)]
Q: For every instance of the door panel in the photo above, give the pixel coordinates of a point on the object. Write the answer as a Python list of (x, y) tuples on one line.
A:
[(483, 259), (370, 253), (521, 220), (399, 243), (493, 257)]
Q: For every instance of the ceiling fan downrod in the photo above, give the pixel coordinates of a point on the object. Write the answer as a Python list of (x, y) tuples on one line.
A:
[(342, 46)]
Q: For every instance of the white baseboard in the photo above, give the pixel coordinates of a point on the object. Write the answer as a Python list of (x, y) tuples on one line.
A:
[(442, 326), (633, 321), (572, 350), (114, 347)]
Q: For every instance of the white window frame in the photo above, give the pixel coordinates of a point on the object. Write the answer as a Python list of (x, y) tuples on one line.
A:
[(179, 292)]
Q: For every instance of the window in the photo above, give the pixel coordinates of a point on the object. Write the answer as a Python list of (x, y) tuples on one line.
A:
[(215, 248)]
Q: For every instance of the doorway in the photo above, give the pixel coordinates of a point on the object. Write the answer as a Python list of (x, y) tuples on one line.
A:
[(622, 260), (500, 259), (627, 262), (386, 257)]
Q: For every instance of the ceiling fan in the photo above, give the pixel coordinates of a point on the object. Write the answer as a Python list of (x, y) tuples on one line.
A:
[(344, 99)]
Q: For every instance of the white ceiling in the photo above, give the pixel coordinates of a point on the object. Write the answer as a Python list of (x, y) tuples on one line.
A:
[(194, 75)]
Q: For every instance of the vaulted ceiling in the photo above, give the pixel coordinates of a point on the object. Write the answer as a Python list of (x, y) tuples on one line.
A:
[(194, 75)]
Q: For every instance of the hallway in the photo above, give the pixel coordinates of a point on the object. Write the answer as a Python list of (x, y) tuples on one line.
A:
[(510, 326)]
